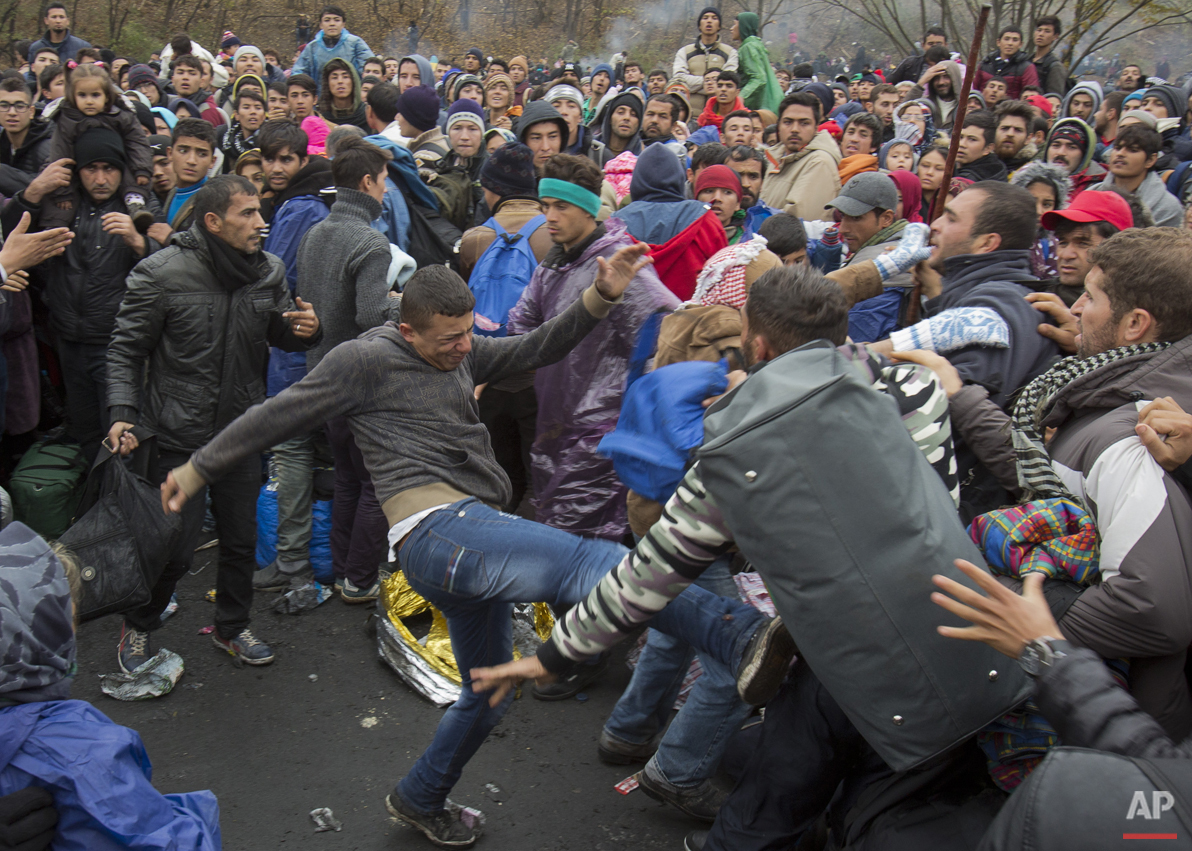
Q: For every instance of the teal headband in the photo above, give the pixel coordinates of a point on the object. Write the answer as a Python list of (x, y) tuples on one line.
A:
[(548, 187)]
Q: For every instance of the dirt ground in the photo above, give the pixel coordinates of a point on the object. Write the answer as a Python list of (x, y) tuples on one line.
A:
[(274, 743)]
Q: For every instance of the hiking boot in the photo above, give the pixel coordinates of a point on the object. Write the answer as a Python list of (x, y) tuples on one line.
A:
[(614, 751), (765, 663), (695, 840), (352, 594), (700, 802), (133, 649), (442, 828), (275, 577), (142, 219), (245, 647), (569, 685)]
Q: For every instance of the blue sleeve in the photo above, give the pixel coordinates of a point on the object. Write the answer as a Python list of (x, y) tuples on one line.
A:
[(304, 61), (361, 52), (395, 217), (288, 227), (99, 775)]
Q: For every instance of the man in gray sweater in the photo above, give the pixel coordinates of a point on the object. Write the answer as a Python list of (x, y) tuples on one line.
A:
[(408, 391), (343, 265)]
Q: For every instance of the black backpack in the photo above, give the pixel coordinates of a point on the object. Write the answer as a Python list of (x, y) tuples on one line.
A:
[(434, 241)]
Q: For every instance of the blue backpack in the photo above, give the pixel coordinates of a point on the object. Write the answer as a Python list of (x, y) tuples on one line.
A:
[(501, 274)]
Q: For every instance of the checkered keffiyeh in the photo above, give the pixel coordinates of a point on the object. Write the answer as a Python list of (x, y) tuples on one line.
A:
[(722, 280)]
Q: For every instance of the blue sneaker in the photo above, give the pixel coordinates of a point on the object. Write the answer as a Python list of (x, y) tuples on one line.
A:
[(133, 649), (245, 647)]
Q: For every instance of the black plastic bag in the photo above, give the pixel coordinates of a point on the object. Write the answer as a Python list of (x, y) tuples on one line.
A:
[(123, 536)]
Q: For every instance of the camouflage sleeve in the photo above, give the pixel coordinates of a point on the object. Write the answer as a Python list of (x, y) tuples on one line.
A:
[(690, 535)]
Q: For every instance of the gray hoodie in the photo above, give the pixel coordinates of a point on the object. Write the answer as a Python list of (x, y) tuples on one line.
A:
[(1164, 206), (426, 74), (1088, 87)]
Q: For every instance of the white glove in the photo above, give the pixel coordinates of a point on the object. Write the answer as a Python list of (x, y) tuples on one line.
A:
[(911, 249)]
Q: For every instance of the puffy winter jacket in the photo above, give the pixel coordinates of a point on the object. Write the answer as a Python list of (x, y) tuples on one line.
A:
[(1017, 71), (205, 344), (19, 167)]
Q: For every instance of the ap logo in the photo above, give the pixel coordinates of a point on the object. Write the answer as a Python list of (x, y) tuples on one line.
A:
[(1160, 803)]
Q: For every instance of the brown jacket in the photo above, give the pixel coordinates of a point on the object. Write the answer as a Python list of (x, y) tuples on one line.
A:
[(512, 213)]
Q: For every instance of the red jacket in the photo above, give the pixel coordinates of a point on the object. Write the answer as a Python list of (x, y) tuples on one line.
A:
[(1017, 71), (711, 116), (680, 259)]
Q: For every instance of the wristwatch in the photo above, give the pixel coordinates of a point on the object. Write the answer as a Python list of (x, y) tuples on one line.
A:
[(1041, 653)]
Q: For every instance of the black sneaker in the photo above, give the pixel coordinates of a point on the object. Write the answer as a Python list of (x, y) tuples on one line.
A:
[(766, 660), (569, 685), (133, 649), (700, 802), (695, 840), (245, 647), (442, 828), (614, 751)]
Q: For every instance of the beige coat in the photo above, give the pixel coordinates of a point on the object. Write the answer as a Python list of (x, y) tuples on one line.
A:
[(802, 184)]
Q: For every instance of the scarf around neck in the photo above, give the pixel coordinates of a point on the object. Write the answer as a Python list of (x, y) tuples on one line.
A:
[(233, 269)]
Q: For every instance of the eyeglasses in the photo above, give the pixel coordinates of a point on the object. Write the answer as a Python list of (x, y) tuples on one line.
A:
[(13, 107)]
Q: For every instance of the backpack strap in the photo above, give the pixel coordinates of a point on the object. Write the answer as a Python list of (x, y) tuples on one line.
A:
[(532, 225)]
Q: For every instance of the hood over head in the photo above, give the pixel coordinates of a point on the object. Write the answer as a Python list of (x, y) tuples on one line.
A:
[(426, 74), (658, 176), (748, 24), (1088, 87)]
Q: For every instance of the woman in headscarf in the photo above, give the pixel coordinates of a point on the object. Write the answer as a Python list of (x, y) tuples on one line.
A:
[(759, 85), (339, 101), (910, 196)]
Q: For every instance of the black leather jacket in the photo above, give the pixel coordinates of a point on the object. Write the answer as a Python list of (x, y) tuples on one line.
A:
[(205, 346)]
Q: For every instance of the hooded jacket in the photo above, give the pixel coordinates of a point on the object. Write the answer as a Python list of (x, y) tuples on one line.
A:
[(1017, 71), (1087, 172), (317, 53), (1164, 207), (1177, 147), (19, 167), (578, 403), (1088, 87), (803, 183), (944, 109), (760, 88), (537, 112), (97, 772), (634, 145), (426, 74), (354, 115), (205, 345)]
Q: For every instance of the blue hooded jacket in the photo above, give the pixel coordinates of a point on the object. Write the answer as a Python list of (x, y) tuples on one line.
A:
[(350, 48)]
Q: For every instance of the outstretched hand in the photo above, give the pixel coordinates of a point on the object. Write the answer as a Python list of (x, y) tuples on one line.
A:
[(619, 270), (1002, 619), (505, 678)]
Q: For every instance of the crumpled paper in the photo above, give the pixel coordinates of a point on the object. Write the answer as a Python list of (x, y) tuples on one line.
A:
[(155, 678), (428, 665)]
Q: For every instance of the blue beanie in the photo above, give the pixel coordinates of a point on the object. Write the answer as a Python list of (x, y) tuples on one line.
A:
[(419, 105), (464, 109)]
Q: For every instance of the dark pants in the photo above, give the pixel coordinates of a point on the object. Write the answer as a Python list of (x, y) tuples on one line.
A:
[(359, 530), (85, 380), (511, 418), (234, 503), (807, 747)]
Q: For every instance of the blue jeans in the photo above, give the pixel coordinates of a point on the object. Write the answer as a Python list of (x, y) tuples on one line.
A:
[(474, 563), (691, 749)]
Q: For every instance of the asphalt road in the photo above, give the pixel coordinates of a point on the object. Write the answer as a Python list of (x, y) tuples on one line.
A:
[(274, 745)]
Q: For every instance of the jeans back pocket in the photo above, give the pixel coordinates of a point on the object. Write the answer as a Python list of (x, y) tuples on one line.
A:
[(439, 562)]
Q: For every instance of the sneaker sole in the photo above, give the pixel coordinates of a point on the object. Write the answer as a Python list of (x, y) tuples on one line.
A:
[(762, 676), (235, 655), (404, 819), (661, 796), (352, 599)]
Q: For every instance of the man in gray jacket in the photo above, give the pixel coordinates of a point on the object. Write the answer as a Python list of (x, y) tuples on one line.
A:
[(187, 357)]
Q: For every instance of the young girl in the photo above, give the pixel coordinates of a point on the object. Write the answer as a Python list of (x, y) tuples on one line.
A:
[(91, 101)]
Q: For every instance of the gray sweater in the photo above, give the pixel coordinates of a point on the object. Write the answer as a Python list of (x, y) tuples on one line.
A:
[(417, 426), (343, 268)]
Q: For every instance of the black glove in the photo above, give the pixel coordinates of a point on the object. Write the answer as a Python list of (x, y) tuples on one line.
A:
[(27, 820)]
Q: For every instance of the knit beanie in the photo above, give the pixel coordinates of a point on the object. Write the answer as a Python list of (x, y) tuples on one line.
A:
[(718, 177), (248, 49), (229, 39), (564, 92), (520, 60), (457, 85), (509, 170), (1071, 134), (498, 77), (463, 110), (706, 10), (475, 51), (419, 105), (99, 145), (1145, 118), (139, 74)]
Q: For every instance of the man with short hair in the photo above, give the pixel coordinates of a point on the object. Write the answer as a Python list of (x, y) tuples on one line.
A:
[(301, 97), (192, 150), (58, 35), (659, 120), (737, 128), (719, 187), (43, 58), (912, 68), (1079, 228), (1051, 72), (380, 111), (543, 130), (976, 156), (859, 145), (163, 169), (187, 358), (695, 62), (749, 164), (994, 92), (343, 267), (656, 82), (240, 136), (1105, 122), (187, 79), (333, 42), (881, 102), (1135, 152), (1131, 79), (1010, 63), (727, 100), (786, 237), (803, 175), (1014, 120), (84, 286), (51, 84), (25, 142), (1071, 144)]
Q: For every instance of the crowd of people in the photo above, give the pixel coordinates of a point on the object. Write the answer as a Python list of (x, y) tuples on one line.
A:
[(664, 312)]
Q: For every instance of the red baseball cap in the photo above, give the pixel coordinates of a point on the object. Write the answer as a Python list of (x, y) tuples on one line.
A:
[(1041, 102), (1093, 206)]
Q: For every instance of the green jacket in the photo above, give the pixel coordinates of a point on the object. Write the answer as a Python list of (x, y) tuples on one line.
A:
[(760, 88)]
